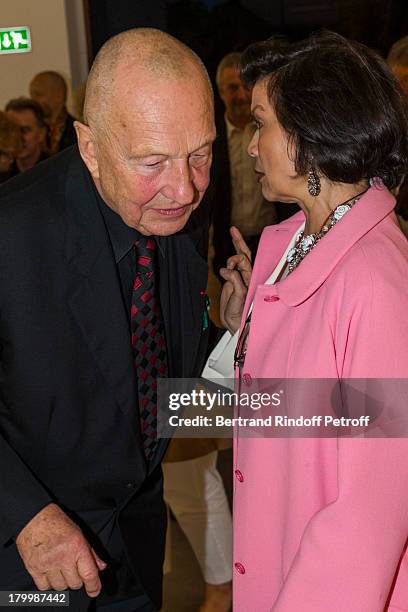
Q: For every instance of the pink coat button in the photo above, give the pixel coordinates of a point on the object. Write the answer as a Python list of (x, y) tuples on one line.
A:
[(239, 475), (271, 298), (240, 568), (247, 379)]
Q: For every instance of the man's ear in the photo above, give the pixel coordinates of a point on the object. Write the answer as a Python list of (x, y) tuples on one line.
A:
[(87, 148)]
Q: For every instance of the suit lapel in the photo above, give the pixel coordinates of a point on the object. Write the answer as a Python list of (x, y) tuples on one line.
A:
[(183, 281), (95, 295), (96, 299)]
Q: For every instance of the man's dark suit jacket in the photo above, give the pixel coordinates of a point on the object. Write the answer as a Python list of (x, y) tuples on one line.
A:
[(69, 418)]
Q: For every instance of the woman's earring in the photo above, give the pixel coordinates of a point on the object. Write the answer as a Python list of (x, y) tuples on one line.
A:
[(313, 183)]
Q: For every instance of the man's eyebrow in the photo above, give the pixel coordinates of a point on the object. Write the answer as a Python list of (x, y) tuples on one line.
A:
[(205, 144), (140, 156), (147, 154)]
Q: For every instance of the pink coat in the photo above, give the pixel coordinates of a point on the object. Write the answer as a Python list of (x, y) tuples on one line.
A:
[(321, 524)]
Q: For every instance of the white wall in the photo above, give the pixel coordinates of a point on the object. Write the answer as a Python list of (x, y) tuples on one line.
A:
[(58, 43)]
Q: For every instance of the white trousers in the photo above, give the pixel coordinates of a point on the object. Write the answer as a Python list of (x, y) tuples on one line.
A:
[(195, 493)]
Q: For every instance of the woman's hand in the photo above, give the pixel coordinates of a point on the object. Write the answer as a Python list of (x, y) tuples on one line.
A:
[(237, 275)]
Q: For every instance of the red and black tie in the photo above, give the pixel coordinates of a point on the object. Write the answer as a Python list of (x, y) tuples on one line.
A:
[(148, 341)]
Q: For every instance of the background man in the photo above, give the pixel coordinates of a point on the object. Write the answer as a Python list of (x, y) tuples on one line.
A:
[(50, 90), (103, 276), (28, 115), (237, 195), (398, 61), (10, 144)]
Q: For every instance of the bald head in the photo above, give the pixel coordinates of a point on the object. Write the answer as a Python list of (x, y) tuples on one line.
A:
[(129, 60), (53, 80), (49, 89), (148, 131)]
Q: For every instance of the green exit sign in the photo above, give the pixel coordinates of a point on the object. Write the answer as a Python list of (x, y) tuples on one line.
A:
[(15, 40)]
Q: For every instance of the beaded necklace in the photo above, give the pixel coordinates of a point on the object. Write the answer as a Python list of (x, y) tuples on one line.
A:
[(304, 244)]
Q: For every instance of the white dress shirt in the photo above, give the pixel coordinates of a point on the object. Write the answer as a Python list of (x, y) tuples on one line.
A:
[(250, 212)]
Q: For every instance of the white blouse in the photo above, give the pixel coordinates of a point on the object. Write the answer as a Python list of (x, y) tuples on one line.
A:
[(220, 363)]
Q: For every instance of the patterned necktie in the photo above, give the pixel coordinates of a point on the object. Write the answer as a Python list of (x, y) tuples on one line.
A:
[(148, 341)]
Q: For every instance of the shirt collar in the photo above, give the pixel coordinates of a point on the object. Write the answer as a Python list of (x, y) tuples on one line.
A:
[(122, 236), (231, 129)]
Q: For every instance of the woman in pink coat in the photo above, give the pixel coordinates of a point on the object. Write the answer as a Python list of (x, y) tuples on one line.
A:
[(321, 524)]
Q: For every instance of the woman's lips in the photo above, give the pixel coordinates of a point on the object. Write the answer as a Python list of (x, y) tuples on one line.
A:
[(259, 175)]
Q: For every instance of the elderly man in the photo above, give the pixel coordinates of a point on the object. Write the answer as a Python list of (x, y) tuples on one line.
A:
[(103, 290), (238, 198), (29, 117), (50, 90)]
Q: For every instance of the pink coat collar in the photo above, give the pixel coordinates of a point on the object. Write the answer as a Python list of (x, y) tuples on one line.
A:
[(373, 207)]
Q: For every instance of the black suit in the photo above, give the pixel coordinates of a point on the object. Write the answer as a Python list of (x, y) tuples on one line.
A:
[(68, 411)]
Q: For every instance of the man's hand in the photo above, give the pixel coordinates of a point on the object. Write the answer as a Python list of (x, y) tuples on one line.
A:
[(57, 555), (237, 275)]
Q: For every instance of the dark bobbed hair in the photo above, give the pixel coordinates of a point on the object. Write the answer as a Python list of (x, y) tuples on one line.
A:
[(339, 103), (24, 104)]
